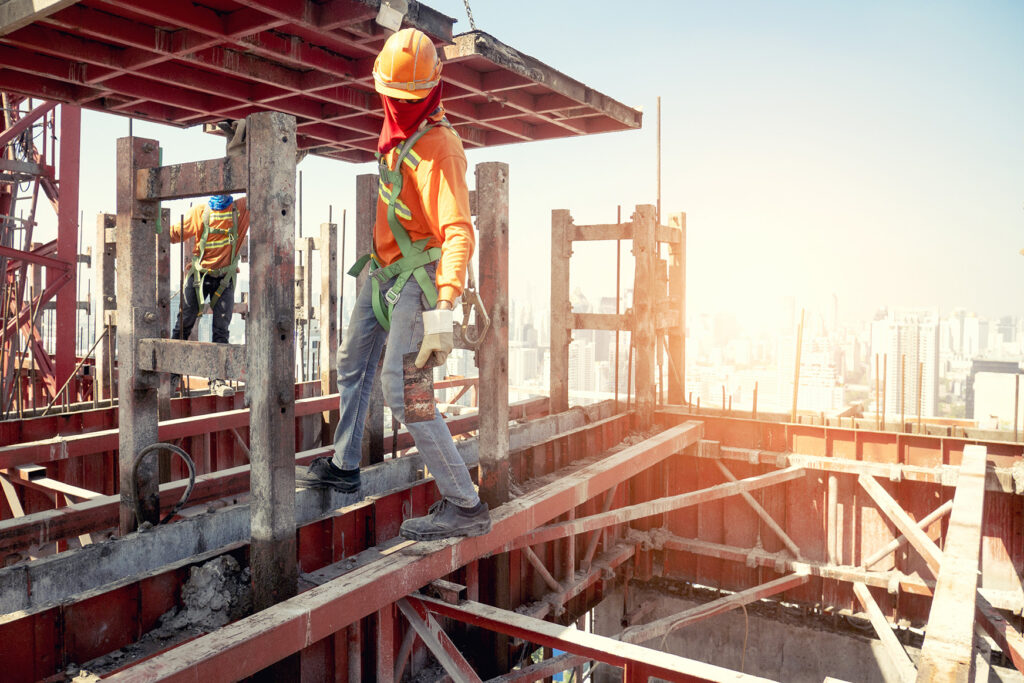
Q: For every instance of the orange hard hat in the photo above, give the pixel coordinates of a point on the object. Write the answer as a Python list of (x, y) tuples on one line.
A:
[(407, 67)]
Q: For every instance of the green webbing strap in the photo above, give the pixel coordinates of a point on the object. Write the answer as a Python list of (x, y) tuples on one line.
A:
[(414, 254)]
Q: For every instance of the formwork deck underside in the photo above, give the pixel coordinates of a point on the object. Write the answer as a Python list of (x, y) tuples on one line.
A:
[(194, 63)]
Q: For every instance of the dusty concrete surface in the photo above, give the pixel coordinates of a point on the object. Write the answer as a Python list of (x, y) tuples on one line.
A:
[(758, 645), (216, 593)]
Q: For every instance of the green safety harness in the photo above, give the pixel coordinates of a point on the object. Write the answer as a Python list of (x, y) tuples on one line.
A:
[(415, 255), (215, 237)]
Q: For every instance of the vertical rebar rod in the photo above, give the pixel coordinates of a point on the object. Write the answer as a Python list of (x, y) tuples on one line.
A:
[(629, 373), (659, 161), (920, 393), (885, 384), (341, 279), (878, 386), (796, 365), (1016, 404), (618, 296), (754, 411)]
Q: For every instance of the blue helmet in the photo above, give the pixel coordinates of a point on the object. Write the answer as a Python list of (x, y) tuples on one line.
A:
[(220, 202)]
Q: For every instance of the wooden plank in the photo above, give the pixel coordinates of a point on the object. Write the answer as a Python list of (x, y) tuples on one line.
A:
[(194, 179), (561, 309), (203, 359), (601, 321), (670, 234), (909, 528), (139, 318), (662, 627), (677, 333), (492, 183), (437, 641), (897, 655), (593, 233), (328, 324), (271, 357), (949, 637)]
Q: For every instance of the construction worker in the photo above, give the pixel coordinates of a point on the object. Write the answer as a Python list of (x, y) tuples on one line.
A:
[(423, 240), (219, 228)]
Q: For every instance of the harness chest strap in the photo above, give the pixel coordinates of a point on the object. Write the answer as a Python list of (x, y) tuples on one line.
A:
[(228, 272), (415, 255)]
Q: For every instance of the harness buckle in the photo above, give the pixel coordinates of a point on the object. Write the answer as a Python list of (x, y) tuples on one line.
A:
[(391, 296)]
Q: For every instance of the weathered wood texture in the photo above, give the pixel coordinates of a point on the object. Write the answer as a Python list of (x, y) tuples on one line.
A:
[(193, 179), (897, 655), (561, 309), (106, 300), (646, 291), (328, 324), (492, 223), (366, 216), (203, 359), (677, 294), (601, 321), (271, 357), (949, 638), (137, 319)]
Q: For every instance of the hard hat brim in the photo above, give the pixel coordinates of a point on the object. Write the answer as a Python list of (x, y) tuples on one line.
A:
[(399, 94)]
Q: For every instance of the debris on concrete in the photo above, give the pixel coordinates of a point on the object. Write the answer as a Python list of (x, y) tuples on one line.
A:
[(216, 593)]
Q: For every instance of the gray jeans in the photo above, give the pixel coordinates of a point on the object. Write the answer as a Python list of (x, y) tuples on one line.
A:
[(357, 365)]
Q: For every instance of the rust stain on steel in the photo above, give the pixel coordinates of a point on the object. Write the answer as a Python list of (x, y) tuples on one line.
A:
[(419, 390)]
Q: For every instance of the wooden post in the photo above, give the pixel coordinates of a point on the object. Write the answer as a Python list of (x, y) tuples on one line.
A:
[(271, 356), (106, 300), (492, 223), (645, 291), (366, 217), (561, 309), (677, 294), (328, 324), (137, 319)]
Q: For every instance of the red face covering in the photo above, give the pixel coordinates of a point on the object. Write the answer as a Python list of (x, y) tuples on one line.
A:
[(402, 118)]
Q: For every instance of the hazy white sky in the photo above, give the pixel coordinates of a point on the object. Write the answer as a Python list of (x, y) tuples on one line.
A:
[(871, 149)]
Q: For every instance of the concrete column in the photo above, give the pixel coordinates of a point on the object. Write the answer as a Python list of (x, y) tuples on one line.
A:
[(270, 342), (561, 309), (366, 217), (137, 318), (645, 290)]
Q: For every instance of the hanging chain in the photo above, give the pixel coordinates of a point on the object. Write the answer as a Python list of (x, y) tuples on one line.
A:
[(469, 13)]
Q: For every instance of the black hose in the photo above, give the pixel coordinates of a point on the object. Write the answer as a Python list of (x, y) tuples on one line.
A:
[(153, 448)]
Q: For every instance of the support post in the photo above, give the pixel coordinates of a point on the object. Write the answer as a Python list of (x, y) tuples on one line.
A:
[(271, 356), (492, 223), (106, 300), (561, 310), (328, 324), (366, 217), (67, 245), (677, 294), (645, 290), (137, 319)]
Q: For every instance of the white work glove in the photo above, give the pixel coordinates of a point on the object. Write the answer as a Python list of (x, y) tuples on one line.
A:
[(437, 338)]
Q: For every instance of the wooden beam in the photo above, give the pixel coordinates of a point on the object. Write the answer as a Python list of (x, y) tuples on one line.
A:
[(15, 14), (917, 537), (897, 655), (763, 514), (662, 627), (949, 637), (194, 179), (601, 321), (203, 359), (593, 233), (561, 309), (437, 641)]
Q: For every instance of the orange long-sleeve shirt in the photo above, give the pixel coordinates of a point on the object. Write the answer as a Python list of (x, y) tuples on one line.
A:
[(438, 199), (218, 250)]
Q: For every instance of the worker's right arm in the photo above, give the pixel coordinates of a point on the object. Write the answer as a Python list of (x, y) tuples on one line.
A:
[(190, 227)]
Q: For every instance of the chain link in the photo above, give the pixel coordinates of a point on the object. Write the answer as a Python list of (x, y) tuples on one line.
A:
[(469, 13)]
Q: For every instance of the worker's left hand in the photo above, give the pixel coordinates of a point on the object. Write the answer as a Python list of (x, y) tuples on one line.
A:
[(437, 338)]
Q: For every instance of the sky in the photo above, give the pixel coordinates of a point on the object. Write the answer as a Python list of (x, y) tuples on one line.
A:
[(874, 150)]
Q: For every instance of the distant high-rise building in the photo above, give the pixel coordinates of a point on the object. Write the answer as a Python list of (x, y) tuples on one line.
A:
[(911, 335)]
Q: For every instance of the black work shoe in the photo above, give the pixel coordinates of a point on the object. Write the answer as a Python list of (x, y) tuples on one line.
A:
[(322, 473), (445, 520)]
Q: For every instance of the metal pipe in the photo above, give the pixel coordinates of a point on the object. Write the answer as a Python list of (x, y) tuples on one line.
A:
[(796, 365), (903, 391), (73, 373)]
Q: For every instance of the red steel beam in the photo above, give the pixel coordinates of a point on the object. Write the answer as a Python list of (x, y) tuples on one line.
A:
[(33, 256), (252, 644), (25, 121)]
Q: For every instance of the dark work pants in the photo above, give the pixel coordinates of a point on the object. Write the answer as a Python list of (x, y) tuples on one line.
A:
[(222, 310)]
